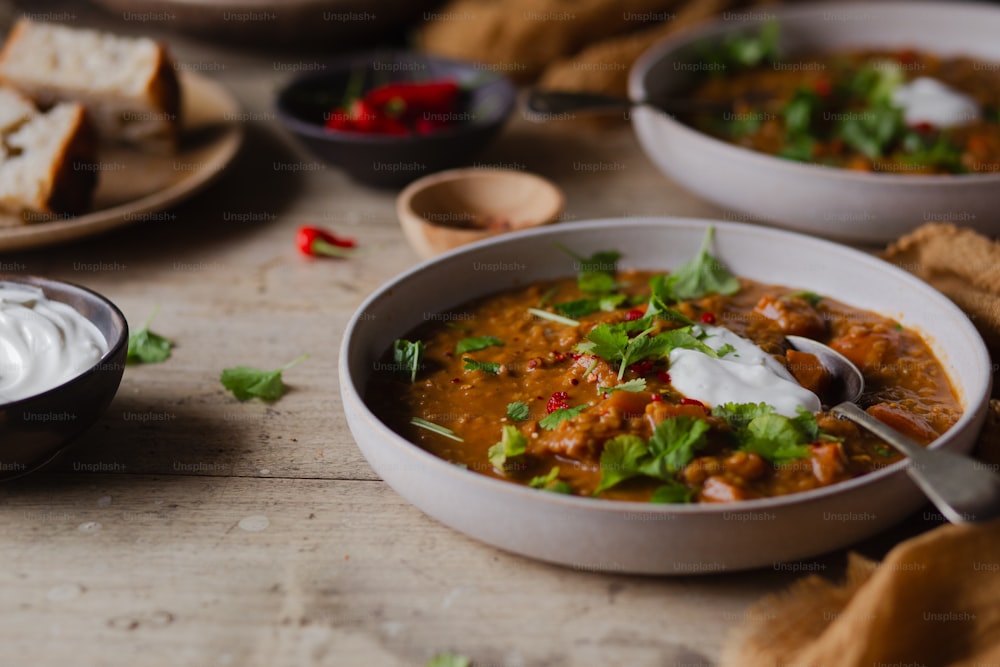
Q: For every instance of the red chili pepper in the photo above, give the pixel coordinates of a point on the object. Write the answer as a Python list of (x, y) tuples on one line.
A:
[(317, 242), (558, 401), (634, 314), (431, 95), (642, 367), (823, 86), (707, 318), (692, 401)]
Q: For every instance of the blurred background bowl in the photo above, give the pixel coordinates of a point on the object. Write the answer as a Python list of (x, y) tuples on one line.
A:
[(836, 203), (34, 429), (449, 209), (386, 160)]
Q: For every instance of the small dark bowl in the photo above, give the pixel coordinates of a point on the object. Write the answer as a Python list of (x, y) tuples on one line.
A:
[(34, 429), (386, 160)]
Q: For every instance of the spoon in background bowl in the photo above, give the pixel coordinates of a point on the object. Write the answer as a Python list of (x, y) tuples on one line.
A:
[(964, 490), (547, 103)]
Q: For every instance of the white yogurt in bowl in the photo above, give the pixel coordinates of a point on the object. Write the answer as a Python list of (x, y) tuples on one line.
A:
[(43, 343)]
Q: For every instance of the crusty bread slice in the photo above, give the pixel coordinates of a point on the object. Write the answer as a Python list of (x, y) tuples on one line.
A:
[(48, 166), (128, 84)]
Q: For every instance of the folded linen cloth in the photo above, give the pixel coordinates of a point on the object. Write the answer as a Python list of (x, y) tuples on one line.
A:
[(935, 598)]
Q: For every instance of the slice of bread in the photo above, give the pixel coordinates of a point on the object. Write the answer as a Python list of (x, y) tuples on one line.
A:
[(48, 165), (128, 85)]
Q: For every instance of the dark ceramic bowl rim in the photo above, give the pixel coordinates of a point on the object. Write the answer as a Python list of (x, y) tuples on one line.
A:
[(313, 130), (58, 287)]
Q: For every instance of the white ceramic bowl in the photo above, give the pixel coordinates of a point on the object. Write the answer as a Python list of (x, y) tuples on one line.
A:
[(595, 534), (836, 203)]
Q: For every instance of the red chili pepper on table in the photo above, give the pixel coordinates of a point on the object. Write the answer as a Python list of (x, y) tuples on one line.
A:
[(318, 242)]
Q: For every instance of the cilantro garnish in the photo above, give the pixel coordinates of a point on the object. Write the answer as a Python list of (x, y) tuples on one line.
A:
[(871, 133), (613, 343), (673, 445), (745, 51), (436, 428), (620, 460), (583, 307), (556, 417), (672, 492), (477, 343), (407, 355), (512, 444), (246, 382), (449, 660), (595, 274), (550, 482), (146, 347), (774, 437), (701, 275), (546, 315), (636, 385), (811, 298), (518, 411), (485, 366)]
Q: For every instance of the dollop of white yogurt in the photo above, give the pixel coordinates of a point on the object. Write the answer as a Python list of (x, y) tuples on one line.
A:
[(43, 343), (746, 374), (927, 100)]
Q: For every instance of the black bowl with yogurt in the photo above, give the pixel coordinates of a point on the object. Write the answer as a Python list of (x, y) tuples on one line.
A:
[(58, 379)]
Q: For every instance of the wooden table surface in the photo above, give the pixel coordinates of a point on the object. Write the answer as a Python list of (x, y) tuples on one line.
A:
[(187, 528)]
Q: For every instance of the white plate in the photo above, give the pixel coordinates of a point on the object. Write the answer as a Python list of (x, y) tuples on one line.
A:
[(614, 536), (135, 186)]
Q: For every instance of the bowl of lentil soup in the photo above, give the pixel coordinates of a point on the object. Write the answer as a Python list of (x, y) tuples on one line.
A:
[(853, 121), (637, 466)]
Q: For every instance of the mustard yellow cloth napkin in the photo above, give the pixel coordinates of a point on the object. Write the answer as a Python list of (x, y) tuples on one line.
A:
[(935, 599)]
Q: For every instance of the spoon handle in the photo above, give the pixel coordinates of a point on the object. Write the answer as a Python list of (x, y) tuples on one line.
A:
[(562, 102), (963, 489)]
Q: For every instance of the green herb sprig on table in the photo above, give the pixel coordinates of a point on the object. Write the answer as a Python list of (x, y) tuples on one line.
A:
[(247, 382)]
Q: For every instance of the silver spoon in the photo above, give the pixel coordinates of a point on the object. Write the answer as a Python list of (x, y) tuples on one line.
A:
[(964, 490)]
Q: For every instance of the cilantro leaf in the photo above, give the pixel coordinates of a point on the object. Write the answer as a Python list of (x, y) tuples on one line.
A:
[(811, 298), (635, 386), (738, 415), (744, 51), (556, 417), (702, 274), (553, 317), (436, 428), (685, 339), (583, 307), (776, 438), (246, 382), (620, 460), (550, 482), (606, 341), (674, 442), (871, 132), (512, 444), (518, 411), (146, 347), (484, 366), (595, 274), (449, 660), (672, 492), (477, 343), (407, 355)]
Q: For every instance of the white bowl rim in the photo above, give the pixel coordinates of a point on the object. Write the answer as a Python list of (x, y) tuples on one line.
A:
[(718, 28), (976, 397)]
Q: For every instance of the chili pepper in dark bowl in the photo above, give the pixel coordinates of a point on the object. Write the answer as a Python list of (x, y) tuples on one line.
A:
[(390, 118)]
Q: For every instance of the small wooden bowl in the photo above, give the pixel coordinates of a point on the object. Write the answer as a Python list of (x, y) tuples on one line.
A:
[(451, 208)]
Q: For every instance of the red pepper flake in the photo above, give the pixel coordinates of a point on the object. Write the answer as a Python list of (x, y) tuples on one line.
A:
[(692, 401), (318, 242), (558, 401), (663, 377), (574, 382), (923, 127), (634, 314), (559, 356), (708, 318), (656, 398), (823, 86), (455, 380), (642, 367)]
